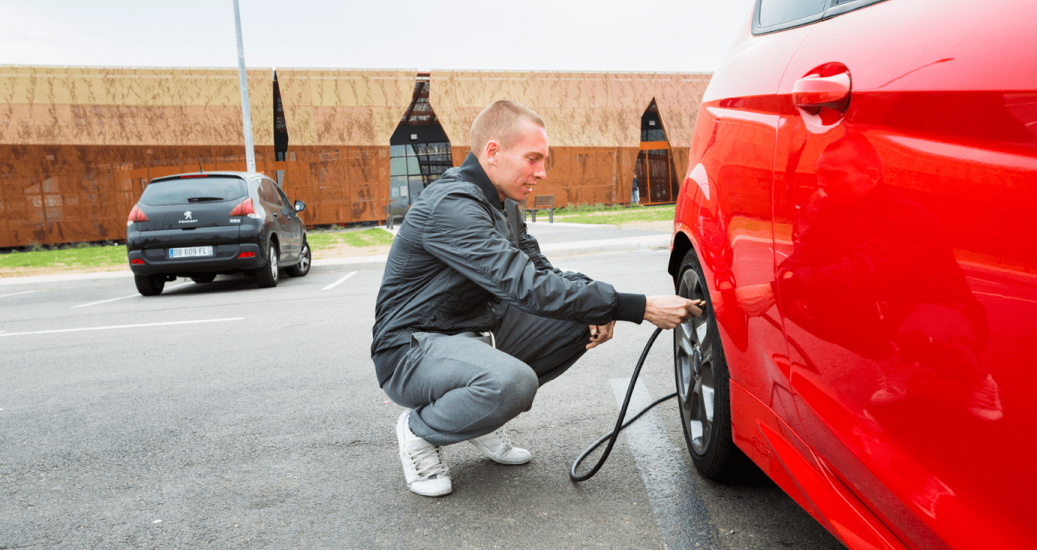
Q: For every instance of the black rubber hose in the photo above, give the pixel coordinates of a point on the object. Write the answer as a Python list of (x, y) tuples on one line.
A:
[(620, 425)]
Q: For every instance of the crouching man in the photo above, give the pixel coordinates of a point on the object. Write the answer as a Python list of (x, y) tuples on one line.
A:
[(471, 318)]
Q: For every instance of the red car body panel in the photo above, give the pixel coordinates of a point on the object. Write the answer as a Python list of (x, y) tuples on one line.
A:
[(927, 291)]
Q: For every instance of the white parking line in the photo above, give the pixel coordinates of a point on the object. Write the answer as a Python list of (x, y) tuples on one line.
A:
[(121, 326), (342, 280), (122, 297), (678, 508), (106, 301), (17, 293)]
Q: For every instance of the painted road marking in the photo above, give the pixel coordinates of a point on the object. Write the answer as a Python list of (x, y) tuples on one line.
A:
[(340, 281), (123, 297), (679, 512), (17, 293), (170, 323)]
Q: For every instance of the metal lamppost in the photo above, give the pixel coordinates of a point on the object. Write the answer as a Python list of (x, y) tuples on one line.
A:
[(250, 153)]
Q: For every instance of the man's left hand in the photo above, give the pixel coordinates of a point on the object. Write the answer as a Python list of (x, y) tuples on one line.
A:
[(600, 334)]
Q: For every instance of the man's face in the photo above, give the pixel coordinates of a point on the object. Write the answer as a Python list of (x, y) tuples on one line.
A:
[(516, 170)]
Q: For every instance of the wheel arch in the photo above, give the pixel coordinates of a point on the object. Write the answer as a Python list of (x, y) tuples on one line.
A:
[(680, 247)]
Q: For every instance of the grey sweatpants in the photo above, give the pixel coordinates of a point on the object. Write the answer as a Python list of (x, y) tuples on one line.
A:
[(460, 387)]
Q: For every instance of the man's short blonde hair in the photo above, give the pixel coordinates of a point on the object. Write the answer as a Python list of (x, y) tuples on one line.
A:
[(501, 121)]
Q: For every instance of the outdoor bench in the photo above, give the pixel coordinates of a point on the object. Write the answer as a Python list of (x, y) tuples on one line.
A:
[(540, 202)]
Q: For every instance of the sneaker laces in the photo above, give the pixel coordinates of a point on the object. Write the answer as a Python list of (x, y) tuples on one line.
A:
[(428, 463), (502, 439)]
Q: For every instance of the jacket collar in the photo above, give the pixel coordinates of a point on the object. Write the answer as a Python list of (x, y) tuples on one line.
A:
[(472, 172)]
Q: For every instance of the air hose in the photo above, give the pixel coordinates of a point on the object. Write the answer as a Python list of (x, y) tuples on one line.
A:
[(620, 425)]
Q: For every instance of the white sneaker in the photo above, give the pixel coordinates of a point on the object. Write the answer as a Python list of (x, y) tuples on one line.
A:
[(498, 446), (423, 467)]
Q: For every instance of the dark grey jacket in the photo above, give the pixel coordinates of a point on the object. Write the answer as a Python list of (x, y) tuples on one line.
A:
[(459, 253)]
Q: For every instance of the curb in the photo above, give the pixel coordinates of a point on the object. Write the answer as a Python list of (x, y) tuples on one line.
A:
[(355, 263), (556, 250)]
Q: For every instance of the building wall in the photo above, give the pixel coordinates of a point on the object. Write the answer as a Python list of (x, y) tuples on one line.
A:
[(593, 121), (74, 193), (339, 184), (77, 145)]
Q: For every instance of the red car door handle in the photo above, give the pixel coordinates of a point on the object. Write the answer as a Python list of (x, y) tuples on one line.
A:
[(815, 91)]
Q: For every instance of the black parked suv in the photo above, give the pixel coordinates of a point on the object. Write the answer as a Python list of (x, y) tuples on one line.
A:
[(203, 224)]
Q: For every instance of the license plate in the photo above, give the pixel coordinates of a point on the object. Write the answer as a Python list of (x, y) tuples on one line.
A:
[(190, 252)]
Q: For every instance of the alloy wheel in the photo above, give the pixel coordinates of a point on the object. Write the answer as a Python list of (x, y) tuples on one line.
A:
[(694, 357)]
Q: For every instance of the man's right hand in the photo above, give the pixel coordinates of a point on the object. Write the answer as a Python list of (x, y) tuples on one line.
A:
[(667, 312)]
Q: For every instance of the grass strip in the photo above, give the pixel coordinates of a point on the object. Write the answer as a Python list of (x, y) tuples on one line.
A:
[(82, 255), (620, 215), (85, 255), (368, 237)]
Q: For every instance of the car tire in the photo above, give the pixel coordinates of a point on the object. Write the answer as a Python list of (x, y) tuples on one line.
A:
[(149, 285), (303, 267), (268, 275), (703, 391), (202, 279)]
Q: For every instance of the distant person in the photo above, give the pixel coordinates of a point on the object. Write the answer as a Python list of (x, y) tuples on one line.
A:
[(873, 272), (635, 193), (471, 318)]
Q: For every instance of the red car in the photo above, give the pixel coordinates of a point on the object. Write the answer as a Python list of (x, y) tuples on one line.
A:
[(859, 213)]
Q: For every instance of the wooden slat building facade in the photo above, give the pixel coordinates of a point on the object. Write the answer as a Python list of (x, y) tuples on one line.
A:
[(78, 145)]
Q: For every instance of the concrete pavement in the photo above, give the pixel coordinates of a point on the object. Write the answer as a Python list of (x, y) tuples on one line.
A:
[(222, 415)]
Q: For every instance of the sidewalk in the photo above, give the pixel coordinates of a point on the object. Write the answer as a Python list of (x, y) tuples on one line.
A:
[(556, 240)]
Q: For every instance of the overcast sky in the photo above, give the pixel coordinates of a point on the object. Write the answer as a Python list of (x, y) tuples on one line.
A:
[(604, 35)]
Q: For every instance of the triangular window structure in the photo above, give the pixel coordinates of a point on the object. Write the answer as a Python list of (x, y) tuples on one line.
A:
[(656, 179), (419, 151)]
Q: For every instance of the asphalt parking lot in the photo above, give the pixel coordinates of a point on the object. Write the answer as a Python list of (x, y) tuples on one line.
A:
[(226, 416)]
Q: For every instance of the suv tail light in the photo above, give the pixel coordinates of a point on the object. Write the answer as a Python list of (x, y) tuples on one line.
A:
[(136, 215), (244, 209)]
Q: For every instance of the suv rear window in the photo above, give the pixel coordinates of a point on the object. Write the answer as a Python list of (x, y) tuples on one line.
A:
[(193, 190)]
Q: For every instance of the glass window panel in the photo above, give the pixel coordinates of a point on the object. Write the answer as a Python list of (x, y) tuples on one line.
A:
[(413, 167), (775, 12), (416, 186), (172, 192), (437, 168), (653, 134), (397, 150), (284, 198), (268, 193), (398, 166)]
